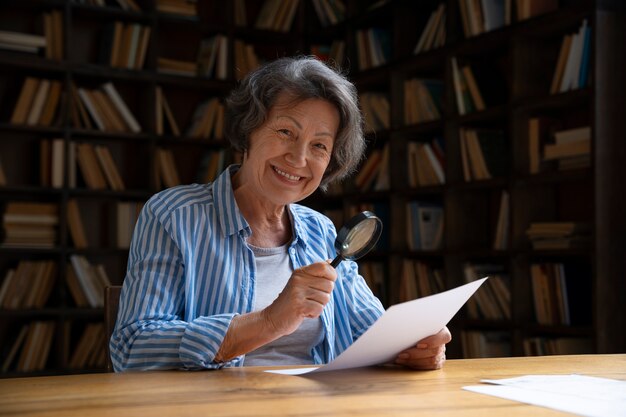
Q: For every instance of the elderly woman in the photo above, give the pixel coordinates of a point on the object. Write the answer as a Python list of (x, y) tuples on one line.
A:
[(234, 272)]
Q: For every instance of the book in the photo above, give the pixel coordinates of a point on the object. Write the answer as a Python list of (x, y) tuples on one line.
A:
[(458, 87), (88, 280), (121, 106), (89, 167), (75, 224), (109, 168), (539, 129), (55, 163), (126, 218), (567, 149), (477, 99), (560, 64), (571, 74), (428, 39), (167, 168), (501, 237), (91, 108), (430, 218), (75, 288), (50, 106), (369, 170), (15, 347), (169, 116), (39, 99), (25, 100)]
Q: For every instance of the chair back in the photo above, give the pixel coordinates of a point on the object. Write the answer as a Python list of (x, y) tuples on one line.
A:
[(111, 303)]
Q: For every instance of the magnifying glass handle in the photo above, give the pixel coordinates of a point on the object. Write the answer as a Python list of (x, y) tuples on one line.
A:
[(336, 261)]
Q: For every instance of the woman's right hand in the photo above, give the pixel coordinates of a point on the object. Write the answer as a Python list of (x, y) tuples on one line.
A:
[(305, 295)]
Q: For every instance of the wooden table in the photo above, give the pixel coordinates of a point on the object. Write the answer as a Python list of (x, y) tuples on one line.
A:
[(375, 391)]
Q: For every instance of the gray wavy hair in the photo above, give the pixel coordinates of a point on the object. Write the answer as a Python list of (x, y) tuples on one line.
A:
[(302, 78)]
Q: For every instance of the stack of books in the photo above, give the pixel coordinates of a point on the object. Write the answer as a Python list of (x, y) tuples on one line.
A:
[(187, 8), (22, 42), (571, 148), (30, 225), (558, 235), (177, 67)]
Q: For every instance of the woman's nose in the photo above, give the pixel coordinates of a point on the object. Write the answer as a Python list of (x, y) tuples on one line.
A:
[(296, 155)]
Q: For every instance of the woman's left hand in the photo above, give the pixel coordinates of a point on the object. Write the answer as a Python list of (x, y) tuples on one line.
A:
[(429, 353)]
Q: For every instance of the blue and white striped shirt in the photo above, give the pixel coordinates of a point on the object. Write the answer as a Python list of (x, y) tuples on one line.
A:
[(190, 272)]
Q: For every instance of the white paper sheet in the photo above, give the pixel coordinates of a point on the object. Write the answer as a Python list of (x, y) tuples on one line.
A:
[(399, 328), (577, 394)]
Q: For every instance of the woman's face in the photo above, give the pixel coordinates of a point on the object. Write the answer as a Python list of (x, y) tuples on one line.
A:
[(289, 153)]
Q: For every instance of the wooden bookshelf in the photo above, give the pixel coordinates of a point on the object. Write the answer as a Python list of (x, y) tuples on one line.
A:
[(99, 48), (513, 66)]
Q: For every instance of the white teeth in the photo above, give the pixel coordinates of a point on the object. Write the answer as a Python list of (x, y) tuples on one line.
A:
[(284, 174)]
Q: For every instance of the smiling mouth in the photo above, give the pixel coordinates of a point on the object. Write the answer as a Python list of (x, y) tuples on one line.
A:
[(286, 175)]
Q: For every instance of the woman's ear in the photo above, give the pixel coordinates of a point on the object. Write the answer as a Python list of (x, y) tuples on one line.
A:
[(245, 156)]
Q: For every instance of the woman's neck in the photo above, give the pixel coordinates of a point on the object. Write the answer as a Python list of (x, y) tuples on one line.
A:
[(270, 223)]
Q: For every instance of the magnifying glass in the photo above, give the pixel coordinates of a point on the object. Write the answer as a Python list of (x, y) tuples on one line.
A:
[(357, 237)]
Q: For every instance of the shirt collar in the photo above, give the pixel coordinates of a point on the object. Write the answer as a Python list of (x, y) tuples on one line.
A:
[(299, 231), (230, 218)]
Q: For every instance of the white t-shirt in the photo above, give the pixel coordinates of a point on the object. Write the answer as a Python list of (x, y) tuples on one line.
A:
[(273, 270)]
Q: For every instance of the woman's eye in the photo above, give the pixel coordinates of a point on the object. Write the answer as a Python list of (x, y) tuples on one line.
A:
[(285, 132), (321, 146)]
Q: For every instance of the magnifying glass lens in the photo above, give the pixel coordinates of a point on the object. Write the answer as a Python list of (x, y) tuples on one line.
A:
[(360, 236), (357, 237)]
